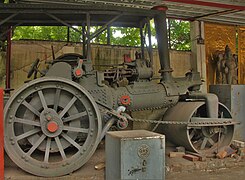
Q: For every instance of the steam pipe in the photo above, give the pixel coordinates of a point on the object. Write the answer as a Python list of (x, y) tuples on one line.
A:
[(212, 102), (162, 41)]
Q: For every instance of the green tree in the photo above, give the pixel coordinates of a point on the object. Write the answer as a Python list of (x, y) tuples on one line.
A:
[(179, 34), (125, 36), (40, 32)]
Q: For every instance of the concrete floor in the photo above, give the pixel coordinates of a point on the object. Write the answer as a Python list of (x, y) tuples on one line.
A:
[(176, 168)]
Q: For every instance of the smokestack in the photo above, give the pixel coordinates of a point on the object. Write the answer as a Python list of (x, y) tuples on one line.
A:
[(162, 40)]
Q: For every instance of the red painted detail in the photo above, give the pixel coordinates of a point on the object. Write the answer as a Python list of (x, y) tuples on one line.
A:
[(1, 137), (78, 72), (52, 127), (209, 4), (160, 8), (127, 58), (125, 100)]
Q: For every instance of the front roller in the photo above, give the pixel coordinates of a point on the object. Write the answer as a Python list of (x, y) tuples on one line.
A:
[(52, 127), (202, 135)]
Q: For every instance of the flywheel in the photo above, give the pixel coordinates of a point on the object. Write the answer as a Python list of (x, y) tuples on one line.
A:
[(52, 126)]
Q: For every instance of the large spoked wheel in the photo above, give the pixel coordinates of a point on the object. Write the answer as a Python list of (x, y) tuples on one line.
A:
[(52, 127), (203, 139)]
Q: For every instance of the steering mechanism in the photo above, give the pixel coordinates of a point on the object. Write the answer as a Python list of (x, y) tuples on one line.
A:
[(34, 69)]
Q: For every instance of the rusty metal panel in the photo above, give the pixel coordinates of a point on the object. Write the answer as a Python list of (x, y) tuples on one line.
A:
[(241, 55), (137, 154), (233, 96), (217, 36)]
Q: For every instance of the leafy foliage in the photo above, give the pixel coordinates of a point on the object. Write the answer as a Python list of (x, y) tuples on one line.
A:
[(40, 32), (126, 36), (179, 34)]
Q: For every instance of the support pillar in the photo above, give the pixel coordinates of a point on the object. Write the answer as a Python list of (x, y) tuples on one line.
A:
[(84, 42), (88, 38), (1, 137), (108, 35), (8, 62), (198, 57)]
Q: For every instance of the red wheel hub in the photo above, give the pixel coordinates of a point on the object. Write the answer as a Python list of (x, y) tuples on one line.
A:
[(52, 127)]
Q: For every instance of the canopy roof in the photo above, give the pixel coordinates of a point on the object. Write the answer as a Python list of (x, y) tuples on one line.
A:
[(222, 11), (60, 14)]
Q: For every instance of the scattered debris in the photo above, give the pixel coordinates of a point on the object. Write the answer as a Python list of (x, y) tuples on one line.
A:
[(221, 154), (241, 152), (238, 144), (201, 156), (225, 152), (176, 154), (100, 166), (191, 157), (239, 148)]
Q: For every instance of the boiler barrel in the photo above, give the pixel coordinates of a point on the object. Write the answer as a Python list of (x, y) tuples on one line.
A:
[(145, 96)]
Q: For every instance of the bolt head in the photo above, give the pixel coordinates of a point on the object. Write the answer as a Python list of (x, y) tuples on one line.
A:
[(49, 118), (52, 126)]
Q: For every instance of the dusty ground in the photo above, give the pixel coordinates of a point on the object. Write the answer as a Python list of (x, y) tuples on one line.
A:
[(176, 168), (211, 169)]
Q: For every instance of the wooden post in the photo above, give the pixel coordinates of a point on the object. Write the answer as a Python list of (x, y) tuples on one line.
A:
[(1, 137)]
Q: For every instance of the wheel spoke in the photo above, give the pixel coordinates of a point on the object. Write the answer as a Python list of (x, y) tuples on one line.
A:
[(68, 106), (31, 108), (48, 144), (74, 129), (43, 101), (62, 152), (34, 147), (27, 134), (192, 134), (71, 141), (26, 121), (74, 117), (56, 99), (205, 140), (211, 141)]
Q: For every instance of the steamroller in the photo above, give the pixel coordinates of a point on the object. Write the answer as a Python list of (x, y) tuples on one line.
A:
[(54, 123)]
